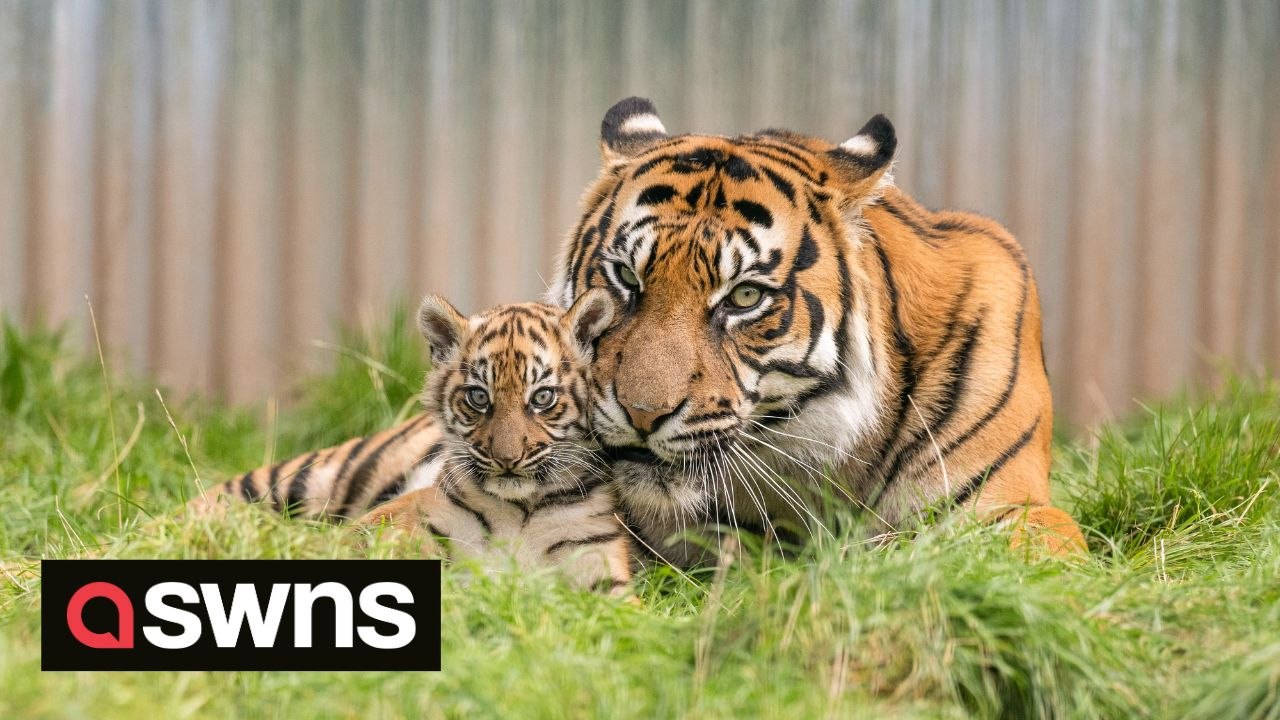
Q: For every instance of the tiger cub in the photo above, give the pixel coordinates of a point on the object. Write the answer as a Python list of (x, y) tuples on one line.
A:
[(510, 391)]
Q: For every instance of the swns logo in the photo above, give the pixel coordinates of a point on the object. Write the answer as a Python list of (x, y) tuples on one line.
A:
[(240, 615)]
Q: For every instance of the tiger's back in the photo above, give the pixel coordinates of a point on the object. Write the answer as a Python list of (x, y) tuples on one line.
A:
[(339, 481)]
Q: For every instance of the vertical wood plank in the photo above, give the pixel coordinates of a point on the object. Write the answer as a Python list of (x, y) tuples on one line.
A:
[(981, 134), (323, 146), (248, 246), (123, 242), (1270, 263), (15, 105), (509, 266), (1168, 198), (1225, 242), (388, 105), (63, 257), (1045, 121), (446, 254), (194, 43)]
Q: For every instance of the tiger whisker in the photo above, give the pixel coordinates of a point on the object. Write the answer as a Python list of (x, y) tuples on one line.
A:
[(762, 426)]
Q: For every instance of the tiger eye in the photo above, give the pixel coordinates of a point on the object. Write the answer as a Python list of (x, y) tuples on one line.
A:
[(478, 399), (628, 276), (745, 296), (543, 399)]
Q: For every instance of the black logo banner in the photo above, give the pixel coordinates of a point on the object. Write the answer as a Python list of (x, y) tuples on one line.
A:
[(240, 615)]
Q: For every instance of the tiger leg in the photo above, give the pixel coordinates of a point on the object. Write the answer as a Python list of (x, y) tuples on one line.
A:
[(409, 515), (1046, 528), (1016, 493), (604, 567)]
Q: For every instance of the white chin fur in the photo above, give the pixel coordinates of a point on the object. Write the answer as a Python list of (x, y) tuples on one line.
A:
[(510, 489), (658, 491)]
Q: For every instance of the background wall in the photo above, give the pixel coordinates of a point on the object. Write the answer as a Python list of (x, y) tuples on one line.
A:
[(226, 181)]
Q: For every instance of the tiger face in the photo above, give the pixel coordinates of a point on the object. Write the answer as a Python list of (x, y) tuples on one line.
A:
[(510, 387), (738, 306)]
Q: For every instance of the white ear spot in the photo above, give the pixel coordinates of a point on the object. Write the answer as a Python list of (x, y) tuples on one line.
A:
[(863, 145), (642, 124)]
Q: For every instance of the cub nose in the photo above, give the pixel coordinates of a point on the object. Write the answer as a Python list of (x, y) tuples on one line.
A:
[(645, 418), (506, 455)]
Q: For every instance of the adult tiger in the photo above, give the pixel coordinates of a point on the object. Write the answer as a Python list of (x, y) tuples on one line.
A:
[(786, 310), (791, 325)]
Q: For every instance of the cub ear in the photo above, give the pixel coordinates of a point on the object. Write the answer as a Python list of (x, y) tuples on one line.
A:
[(442, 325), (590, 316), (629, 128), (861, 161)]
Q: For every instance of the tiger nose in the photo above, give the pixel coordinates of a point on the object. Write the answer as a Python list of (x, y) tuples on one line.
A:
[(506, 455), (646, 418)]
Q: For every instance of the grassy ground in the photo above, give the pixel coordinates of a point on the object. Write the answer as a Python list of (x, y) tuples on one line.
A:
[(1177, 614)]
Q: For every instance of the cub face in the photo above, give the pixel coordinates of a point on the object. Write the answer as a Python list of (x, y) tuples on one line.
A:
[(511, 387)]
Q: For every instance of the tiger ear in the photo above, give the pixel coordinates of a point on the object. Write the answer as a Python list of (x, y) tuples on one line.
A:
[(442, 325), (629, 128), (861, 161), (588, 318)]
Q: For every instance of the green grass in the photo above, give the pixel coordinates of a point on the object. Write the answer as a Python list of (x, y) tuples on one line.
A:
[(1177, 614)]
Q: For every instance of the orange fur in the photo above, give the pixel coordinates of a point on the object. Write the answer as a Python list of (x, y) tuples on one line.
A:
[(897, 345)]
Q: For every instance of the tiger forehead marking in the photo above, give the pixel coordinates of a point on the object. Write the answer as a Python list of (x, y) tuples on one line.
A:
[(515, 346)]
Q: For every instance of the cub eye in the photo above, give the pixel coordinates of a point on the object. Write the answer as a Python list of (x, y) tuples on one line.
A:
[(628, 276), (478, 399), (543, 399), (746, 296)]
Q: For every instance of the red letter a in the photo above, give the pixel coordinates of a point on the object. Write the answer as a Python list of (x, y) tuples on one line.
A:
[(75, 620)]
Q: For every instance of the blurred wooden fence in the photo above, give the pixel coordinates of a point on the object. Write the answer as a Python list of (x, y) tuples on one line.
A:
[(228, 180)]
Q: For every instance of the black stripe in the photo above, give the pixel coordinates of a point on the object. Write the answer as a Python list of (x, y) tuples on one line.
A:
[(608, 585), (1010, 382), (930, 234), (273, 484), (656, 194), (953, 225), (569, 496), (902, 344), (957, 373), (364, 472), (246, 488), (817, 318), (974, 483), (807, 254), (391, 491), (754, 212), (297, 483), (589, 540), (296, 498), (457, 500), (759, 152), (781, 184), (945, 409), (786, 148), (739, 169), (650, 164), (346, 462)]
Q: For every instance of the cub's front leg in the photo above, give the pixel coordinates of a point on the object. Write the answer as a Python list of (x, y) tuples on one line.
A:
[(411, 515)]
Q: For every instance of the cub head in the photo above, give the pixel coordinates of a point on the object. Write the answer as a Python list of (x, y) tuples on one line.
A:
[(739, 304), (510, 387)]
